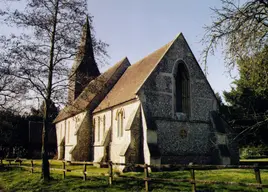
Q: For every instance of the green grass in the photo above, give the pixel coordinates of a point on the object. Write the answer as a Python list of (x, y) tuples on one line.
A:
[(75, 169), (254, 160), (15, 179)]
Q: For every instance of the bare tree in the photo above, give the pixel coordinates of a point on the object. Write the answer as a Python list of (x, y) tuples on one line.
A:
[(11, 91), (39, 56), (242, 29)]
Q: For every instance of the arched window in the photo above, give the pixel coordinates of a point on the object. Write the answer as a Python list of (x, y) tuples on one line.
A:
[(103, 129), (60, 132), (120, 115), (94, 123), (182, 89), (98, 129), (121, 124), (94, 126), (68, 136)]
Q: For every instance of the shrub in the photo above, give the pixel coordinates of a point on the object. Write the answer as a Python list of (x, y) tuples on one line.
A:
[(253, 152)]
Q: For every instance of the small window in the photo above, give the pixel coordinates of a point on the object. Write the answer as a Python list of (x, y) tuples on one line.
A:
[(60, 132), (94, 123), (68, 136), (182, 90), (98, 129), (120, 124), (103, 129), (94, 127)]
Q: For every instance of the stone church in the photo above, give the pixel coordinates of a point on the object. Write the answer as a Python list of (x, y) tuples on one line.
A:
[(159, 110)]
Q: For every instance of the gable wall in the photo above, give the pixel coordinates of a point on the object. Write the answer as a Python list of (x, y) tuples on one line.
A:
[(157, 96), (159, 87)]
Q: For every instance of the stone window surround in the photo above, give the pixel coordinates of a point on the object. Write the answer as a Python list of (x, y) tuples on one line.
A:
[(98, 130), (60, 132), (94, 126), (97, 127), (120, 116), (68, 136), (104, 124), (174, 74)]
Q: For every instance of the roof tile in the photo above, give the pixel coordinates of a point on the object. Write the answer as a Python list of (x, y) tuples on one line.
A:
[(133, 78), (94, 88)]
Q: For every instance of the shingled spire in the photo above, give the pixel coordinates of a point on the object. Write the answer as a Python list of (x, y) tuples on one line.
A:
[(84, 68)]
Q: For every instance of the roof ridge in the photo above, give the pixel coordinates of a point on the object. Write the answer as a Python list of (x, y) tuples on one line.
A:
[(74, 108), (164, 53), (120, 63), (117, 65), (152, 53), (133, 78)]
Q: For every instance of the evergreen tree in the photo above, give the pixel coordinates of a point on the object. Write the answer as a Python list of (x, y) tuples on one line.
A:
[(248, 110)]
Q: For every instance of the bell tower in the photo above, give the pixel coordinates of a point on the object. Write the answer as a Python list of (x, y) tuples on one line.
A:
[(84, 68)]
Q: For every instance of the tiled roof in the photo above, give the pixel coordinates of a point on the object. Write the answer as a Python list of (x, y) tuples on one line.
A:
[(89, 93), (133, 78)]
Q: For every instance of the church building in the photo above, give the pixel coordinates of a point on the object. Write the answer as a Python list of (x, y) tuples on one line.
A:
[(159, 110)]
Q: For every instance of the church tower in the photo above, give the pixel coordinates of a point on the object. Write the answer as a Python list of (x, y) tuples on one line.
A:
[(84, 68)]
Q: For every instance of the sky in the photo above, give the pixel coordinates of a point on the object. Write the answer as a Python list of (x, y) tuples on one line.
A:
[(137, 28)]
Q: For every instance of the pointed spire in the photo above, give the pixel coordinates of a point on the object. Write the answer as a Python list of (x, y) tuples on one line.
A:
[(86, 46), (85, 68)]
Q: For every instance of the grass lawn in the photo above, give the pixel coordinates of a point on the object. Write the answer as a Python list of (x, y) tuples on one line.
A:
[(254, 160), (15, 179)]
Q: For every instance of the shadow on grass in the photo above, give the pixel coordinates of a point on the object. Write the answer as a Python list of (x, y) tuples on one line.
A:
[(17, 180)]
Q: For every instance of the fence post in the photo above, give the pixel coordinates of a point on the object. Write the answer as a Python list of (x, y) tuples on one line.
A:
[(258, 176), (193, 178), (146, 177), (85, 172), (20, 164), (63, 167), (32, 166), (110, 164)]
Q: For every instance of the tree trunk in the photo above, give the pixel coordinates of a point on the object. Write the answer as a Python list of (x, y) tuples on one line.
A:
[(45, 164)]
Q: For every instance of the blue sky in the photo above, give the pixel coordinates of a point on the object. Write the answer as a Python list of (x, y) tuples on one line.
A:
[(137, 28)]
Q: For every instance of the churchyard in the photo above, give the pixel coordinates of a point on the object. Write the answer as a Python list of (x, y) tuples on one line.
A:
[(14, 178), (163, 106)]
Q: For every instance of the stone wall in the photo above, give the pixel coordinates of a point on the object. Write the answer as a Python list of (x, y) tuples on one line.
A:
[(60, 131), (105, 119), (159, 89), (135, 150), (81, 151), (119, 145), (179, 139), (184, 141), (73, 135)]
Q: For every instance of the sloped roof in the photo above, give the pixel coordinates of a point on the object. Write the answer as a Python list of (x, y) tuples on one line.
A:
[(89, 93), (133, 78)]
